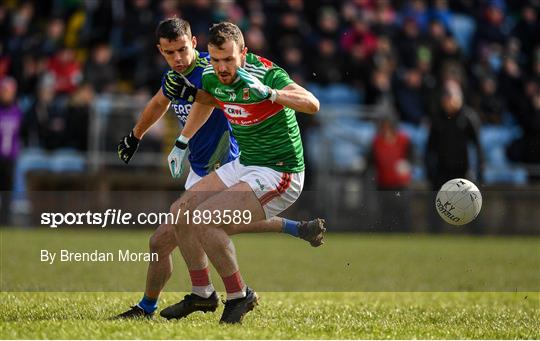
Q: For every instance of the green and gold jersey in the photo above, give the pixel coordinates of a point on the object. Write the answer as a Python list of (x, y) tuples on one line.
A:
[(267, 133)]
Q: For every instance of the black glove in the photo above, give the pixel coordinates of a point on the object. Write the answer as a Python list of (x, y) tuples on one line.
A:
[(127, 147), (183, 88)]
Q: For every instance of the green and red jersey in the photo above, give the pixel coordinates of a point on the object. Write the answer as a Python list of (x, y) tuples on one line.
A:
[(267, 133)]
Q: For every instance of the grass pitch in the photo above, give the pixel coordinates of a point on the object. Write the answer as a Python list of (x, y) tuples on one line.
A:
[(355, 286), (282, 316)]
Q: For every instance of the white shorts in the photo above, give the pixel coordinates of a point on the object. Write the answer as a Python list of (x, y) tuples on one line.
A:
[(192, 179), (275, 190)]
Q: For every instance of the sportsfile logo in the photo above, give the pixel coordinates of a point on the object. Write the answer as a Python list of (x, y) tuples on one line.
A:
[(118, 217), (446, 210)]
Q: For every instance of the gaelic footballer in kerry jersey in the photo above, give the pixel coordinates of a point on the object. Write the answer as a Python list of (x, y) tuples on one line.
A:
[(213, 145), (267, 133)]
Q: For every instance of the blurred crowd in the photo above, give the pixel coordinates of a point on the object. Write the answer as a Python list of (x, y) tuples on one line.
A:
[(452, 66), (58, 55)]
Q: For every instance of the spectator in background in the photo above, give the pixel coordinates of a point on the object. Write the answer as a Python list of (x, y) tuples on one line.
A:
[(293, 61), (487, 102), (512, 87), (441, 12), (324, 66), (292, 31), (448, 52), (490, 29), (436, 34), (452, 128), (199, 13), (359, 34), (137, 47), (417, 11), (256, 41), (100, 71), (391, 156), (490, 37), (384, 21), (5, 61), (10, 122), (407, 42), (526, 149), (66, 71), (33, 66), (384, 56), (378, 88), (410, 96), (526, 30), (328, 24), (54, 37), (77, 120), (19, 39), (45, 124)]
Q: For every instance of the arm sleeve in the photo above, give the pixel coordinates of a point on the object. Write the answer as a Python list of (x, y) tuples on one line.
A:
[(277, 78)]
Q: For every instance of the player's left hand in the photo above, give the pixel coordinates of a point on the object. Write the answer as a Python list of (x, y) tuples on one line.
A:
[(127, 147), (176, 159), (254, 83)]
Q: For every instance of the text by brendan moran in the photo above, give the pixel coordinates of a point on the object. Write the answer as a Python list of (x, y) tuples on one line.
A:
[(97, 256)]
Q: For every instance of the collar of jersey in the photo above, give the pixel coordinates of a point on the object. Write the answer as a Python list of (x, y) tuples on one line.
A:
[(190, 69)]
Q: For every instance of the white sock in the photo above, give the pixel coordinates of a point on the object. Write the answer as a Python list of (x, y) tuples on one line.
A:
[(203, 291), (238, 294)]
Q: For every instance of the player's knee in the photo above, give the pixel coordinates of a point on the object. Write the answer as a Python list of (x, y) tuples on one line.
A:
[(159, 242), (179, 209), (154, 243), (230, 229), (175, 207)]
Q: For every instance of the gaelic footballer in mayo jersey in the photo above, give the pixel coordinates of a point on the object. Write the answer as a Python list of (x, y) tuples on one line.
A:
[(213, 145), (267, 133)]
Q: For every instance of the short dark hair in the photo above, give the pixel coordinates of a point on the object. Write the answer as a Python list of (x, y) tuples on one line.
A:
[(173, 28), (224, 32)]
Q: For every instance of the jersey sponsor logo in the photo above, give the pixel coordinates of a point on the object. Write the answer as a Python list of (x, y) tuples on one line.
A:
[(218, 92), (182, 111), (248, 114), (235, 111)]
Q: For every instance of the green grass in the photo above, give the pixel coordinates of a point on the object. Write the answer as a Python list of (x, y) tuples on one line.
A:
[(273, 262), (355, 286), (282, 316)]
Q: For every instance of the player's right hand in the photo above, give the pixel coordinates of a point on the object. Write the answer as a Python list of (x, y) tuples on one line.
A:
[(176, 159), (183, 88), (127, 147), (254, 83)]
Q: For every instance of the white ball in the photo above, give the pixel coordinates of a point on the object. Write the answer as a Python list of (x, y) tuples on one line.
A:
[(458, 202)]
